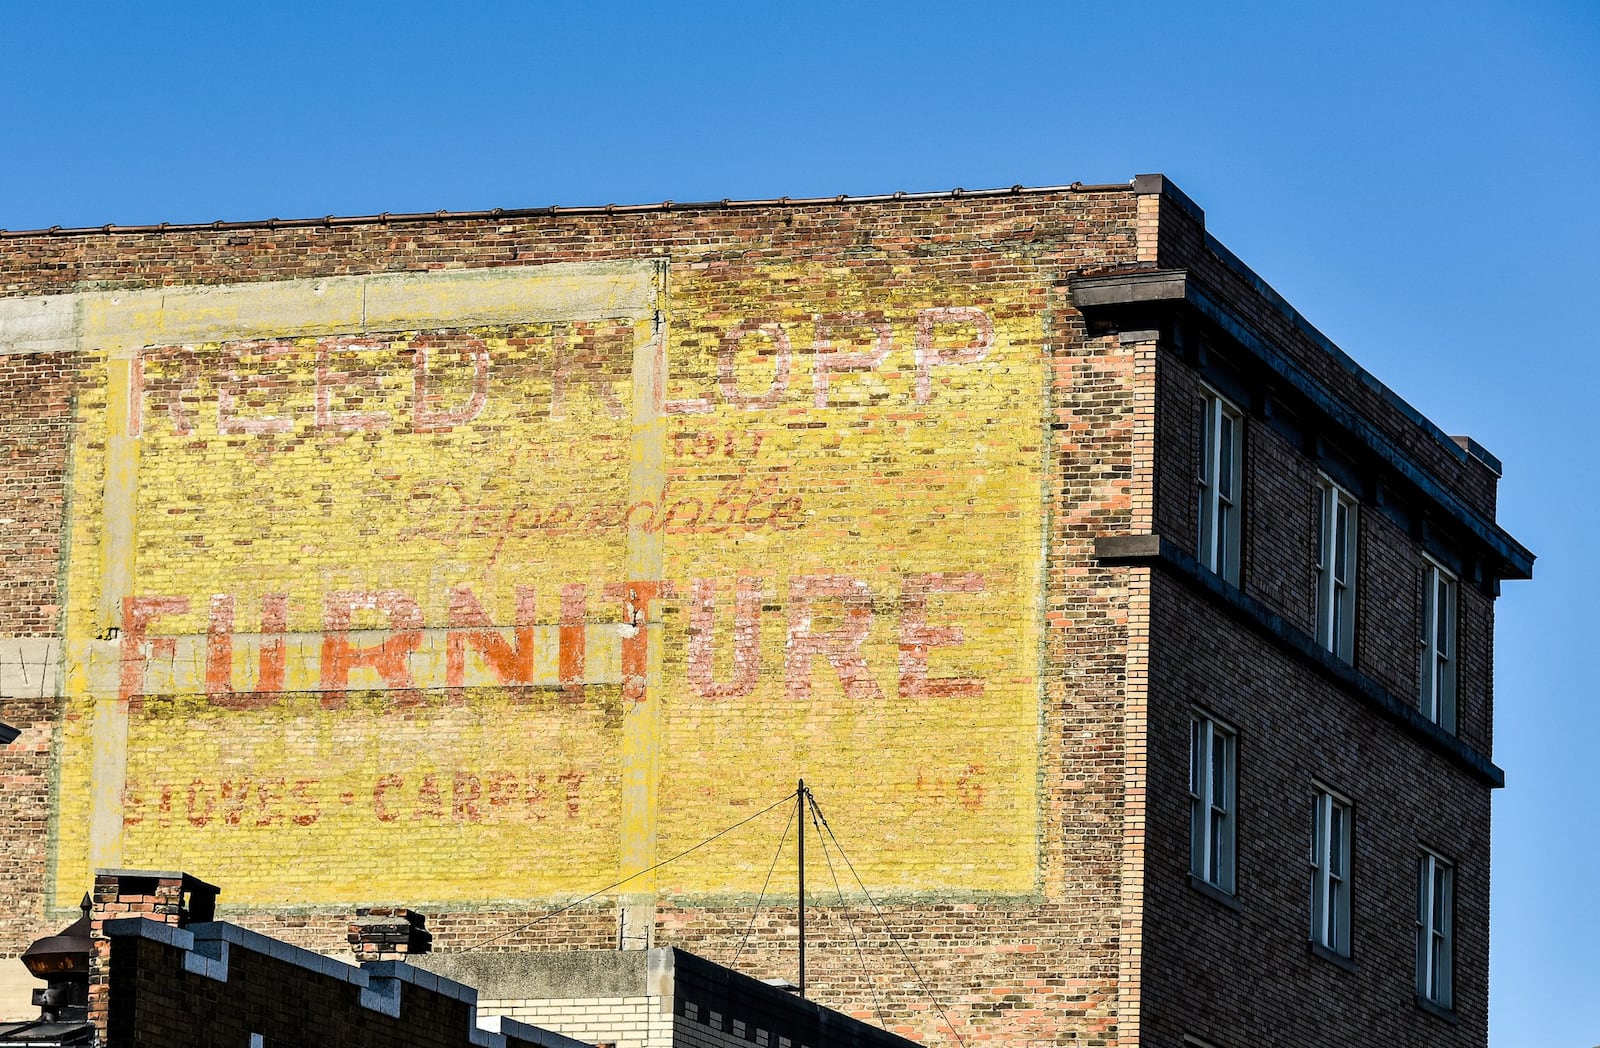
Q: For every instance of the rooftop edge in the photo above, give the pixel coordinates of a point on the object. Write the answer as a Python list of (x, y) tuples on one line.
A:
[(584, 209)]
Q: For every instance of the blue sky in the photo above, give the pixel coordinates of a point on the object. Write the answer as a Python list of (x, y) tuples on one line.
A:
[(1418, 179)]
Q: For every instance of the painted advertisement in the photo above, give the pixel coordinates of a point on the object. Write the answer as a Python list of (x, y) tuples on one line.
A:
[(500, 585)]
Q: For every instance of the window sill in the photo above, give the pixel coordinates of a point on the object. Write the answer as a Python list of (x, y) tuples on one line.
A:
[(1438, 1011), (1333, 957), (1211, 891)]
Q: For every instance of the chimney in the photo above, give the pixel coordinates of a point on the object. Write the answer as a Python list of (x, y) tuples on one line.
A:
[(389, 933), (62, 961), (173, 898)]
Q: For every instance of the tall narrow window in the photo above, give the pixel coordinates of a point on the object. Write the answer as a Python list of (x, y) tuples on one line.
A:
[(1437, 644), (1435, 928), (1330, 872), (1219, 488), (1336, 572), (1212, 764)]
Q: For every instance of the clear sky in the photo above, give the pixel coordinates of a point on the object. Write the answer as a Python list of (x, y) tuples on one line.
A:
[(1418, 179)]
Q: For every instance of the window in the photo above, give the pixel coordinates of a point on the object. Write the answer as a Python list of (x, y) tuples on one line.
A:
[(1219, 488), (1435, 924), (1212, 762), (1437, 664), (1336, 572), (1330, 872)]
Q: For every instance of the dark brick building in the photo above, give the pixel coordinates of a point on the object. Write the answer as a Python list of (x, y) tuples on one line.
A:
[(161, 972), (1138, 641)]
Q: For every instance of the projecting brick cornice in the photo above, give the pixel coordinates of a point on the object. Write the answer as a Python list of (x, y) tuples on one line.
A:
[(1129, 298)]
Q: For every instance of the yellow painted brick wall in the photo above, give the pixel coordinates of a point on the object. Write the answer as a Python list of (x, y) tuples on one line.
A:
[(838, 500)]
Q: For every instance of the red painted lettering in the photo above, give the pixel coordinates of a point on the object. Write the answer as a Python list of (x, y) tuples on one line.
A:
[(380, 789), (329, 380), (916, 636), (234, 794), (587, 365), (231, 385), (428, 419), (388, 659), (179, 391), (200, 803), (570, 640), (574, 781), (746, 639), (309, 809), (430, 802), (464, 793), (511, 663), (727, 380), (831, 361), (841, 647), (929, 356), (219, 653), (269, 793), (137, 615), (274, 623), (636, 598)]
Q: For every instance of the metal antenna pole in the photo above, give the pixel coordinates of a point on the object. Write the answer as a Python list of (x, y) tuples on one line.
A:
[(800, 808)]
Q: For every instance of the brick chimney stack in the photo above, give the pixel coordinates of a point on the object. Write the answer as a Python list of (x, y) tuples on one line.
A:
[(173, 898), (389, 933)]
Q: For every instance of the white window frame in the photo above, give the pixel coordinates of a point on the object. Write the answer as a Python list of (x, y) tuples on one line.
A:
[(1336, 571), (1436, 929), (1438, 658), (1332, 834), (1221, 476), (1213, 801)]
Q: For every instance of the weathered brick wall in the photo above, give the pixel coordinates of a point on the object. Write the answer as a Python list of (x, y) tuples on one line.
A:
[(315, 626), (36, 393), (1475, 671), (1246, 975), (478, 563), (1177, 454), (1388, 601), (36, 398), (1037, 972)]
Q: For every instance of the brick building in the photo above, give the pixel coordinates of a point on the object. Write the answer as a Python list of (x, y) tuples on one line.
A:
[(1137, 642), (153, 967)]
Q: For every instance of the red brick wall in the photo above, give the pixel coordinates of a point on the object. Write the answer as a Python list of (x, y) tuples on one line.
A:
[(36, 392), (1111, 945), (1044, 967)]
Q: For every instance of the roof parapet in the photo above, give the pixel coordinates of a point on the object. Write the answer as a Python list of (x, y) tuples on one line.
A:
[(387, 218)]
